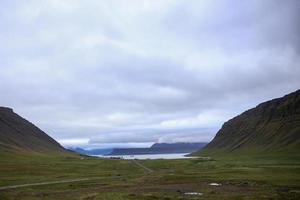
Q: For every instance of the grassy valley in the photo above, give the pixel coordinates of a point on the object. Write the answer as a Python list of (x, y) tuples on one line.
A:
[(258, 177), (254, 156)]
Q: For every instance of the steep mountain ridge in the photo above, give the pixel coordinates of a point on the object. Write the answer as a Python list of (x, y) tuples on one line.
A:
[(19, 134), (271, 126)]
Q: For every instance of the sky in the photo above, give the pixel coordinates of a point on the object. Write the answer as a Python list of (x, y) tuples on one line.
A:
[(110, 73)]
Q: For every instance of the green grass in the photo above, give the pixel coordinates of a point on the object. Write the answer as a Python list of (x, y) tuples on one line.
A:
[(242, 177), (27, 168)]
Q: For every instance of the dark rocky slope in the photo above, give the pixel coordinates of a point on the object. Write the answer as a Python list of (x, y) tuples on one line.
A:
[(19, 134), (271, 126)]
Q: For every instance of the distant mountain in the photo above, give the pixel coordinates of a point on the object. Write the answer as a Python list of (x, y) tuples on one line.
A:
[(92, 151), (161, 148), (16, 133), (179, 145), (271, 126)]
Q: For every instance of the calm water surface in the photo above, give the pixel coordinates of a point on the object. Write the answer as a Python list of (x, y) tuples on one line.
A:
[(148, 156)]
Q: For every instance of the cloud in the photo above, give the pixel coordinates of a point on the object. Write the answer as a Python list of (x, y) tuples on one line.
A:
[(147, 137), (144, 71)]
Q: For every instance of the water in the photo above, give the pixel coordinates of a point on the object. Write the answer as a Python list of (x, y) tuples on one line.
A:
[(148, 156)]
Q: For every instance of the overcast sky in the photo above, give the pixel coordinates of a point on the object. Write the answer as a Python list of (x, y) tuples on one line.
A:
[(103, 73)]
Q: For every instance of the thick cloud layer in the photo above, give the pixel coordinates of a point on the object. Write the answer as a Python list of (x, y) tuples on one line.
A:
[(137, 72)]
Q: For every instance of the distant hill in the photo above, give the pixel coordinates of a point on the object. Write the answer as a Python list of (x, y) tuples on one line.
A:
[(161, 148), (271, 126), (16, 133), (92, 151)]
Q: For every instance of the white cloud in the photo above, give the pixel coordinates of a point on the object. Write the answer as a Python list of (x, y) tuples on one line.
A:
[(205, 119), (144, 70), (74, 142)]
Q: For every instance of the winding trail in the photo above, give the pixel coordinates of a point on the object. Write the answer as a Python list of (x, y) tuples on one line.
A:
[(55, 182), (142, 166), (148, 170), (44, 183)]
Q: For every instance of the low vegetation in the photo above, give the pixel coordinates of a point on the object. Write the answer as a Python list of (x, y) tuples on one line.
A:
[(239, 176), (254, 156)]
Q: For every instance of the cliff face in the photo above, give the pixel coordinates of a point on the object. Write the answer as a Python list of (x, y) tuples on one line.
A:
[(18, 133), (272, 125)]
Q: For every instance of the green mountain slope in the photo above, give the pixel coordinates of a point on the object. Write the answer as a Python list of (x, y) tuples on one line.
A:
[(18, 134), (271, 126)]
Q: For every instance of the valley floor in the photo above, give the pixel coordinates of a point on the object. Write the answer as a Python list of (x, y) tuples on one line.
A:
[(264, 177)]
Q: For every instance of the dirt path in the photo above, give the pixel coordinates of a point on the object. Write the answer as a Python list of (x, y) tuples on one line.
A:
[(69, 181), (54, 182), (43, 183), (142, 166)]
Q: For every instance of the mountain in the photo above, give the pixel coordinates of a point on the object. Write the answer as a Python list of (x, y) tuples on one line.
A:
[(161, 148), (179, 145), (16, 133), (92, 151), (271, 126)]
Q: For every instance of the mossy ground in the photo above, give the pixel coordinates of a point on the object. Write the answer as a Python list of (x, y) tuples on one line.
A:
[(242, 177)]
